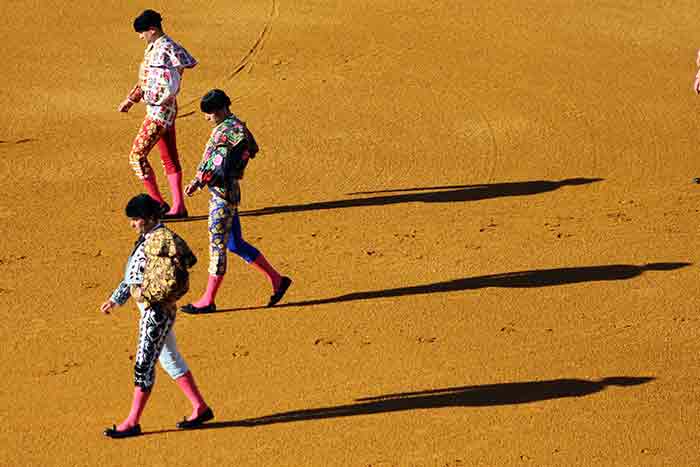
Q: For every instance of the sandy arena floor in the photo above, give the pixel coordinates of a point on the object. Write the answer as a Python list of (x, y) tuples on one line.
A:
[(486, 208)]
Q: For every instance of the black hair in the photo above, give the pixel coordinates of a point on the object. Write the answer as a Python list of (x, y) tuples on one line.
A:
[(147, 19), (143, 206), (214, 100)]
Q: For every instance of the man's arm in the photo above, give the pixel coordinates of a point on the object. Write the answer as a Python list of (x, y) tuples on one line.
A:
[(134, 96), (121, 294), (212, 157)]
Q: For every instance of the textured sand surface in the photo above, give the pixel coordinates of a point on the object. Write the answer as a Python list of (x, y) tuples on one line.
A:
[(486, 208)]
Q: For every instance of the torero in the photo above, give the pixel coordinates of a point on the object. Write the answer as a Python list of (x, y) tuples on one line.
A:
[(225, 157), (160, 80)]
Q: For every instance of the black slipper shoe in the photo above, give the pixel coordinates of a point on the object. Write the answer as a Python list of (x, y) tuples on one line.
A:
[(194, 423), (182, 215), (164, 208), (197, 310), (128, 433), (277, 296)]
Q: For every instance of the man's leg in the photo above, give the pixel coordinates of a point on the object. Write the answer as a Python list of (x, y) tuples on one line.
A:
[(167, 146), (174, 364), (154, 326), (252, 256), (220, 219), (147, 137)]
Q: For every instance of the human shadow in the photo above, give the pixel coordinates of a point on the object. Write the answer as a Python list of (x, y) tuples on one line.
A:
[(436, 194), (198, 217), (186, 114), (443, 194), (519, 279), (466, 396)]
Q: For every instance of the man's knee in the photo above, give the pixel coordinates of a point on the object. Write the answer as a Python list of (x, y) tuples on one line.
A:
[(244, 250), (172, 363), (141, 167), (144, 376)]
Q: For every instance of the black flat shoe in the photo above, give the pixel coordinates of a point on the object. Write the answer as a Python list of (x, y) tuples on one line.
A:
[(181, 215), (197, 310), (164, 208), (194, 423), (128, 433), (277, 296)]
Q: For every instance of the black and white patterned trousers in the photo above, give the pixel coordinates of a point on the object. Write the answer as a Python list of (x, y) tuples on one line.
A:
[(154, 326)]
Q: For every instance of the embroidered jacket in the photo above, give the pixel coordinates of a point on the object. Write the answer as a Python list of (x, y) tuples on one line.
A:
[(226, 136), (133, 273), (159, 78), (154, 269)]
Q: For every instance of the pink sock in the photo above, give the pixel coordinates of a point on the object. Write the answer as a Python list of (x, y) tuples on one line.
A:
[(152, 188), (213, 285), (175, 182), (189, 388), (266, 268), (137, 406)]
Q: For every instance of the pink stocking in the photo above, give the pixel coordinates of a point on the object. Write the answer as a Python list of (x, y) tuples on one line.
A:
[(137, 406), (189, 388), (152, 187), (213, 285), (266, 268), (175, 182)]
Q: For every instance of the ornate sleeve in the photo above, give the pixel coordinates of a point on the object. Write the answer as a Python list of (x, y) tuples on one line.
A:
[(223, 138), (179, 57), (121, 294), (213, 156), (135, 94)]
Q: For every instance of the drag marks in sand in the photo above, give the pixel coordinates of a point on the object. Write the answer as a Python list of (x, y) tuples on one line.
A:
[(18, 141), (480, 135), (246, 62)]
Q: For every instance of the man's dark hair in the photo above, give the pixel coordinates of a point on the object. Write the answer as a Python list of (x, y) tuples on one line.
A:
[(214, 100), (146, 20), (144, 207)]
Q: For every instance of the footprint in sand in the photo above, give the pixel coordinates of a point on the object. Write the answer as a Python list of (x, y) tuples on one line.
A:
[(12, 259), (619, 217), (489, 226), (240, 351), (62, 371), (322, 341)]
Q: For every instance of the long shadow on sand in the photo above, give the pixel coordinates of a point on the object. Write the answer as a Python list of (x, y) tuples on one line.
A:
[(466, 396), (436, 194), (520, 279), (443, 194)]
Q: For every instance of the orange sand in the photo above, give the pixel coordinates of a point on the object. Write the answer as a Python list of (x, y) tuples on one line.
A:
[(458, 299)]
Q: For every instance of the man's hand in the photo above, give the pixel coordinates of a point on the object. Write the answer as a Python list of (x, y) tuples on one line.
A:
[(137, 294), (191, 189), (696, 85), (107, 306), (125, 105)]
